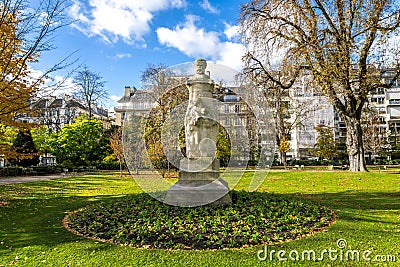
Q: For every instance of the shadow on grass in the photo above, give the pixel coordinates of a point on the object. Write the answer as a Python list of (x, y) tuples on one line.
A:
[(38, 222), (358, 200), (31, 214)]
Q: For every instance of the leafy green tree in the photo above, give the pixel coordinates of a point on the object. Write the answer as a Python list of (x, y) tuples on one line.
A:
[(326, 147), (41, 137), (81, 143), (223, 147)]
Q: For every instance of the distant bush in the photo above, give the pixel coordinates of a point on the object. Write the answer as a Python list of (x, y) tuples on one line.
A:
[(36, 170), (10, 171), (107, 165), (306, 162)]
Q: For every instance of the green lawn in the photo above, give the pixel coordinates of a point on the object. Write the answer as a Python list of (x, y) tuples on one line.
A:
[(367, 206)]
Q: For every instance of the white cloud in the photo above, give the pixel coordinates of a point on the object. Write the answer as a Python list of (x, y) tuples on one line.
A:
[(35, 74), (231, 55), (63, 86), (111, 102), (189, 39), (50, 86), (231, 31), (121, 56), (115, 97), (208, 7), (113, 20), (56, 86), (197, 42)]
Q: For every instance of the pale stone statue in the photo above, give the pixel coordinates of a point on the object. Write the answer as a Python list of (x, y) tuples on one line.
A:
[(201, 117), (199, 180)]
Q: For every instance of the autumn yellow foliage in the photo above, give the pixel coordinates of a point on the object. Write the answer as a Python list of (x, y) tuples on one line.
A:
[(16, 86)]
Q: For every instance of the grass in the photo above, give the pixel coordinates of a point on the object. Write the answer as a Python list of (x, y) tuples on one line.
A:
[(31, 231)]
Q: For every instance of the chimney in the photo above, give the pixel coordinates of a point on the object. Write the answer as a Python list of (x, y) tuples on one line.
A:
[(127, 91)]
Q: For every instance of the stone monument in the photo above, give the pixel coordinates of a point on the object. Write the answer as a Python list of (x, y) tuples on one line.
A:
[(199, 182)]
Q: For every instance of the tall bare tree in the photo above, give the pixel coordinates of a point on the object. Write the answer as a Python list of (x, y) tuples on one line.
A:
[(90, 88), (26, 32), (290, 109), (158, 79), (341, 42)]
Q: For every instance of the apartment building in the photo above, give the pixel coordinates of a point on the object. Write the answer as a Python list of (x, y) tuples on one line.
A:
[(308, 109), (55, 112), (137, 102)]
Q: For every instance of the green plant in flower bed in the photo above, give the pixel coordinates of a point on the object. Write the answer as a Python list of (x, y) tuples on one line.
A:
[(254, 218)]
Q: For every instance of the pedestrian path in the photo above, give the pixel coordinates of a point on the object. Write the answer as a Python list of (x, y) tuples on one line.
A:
[(27, 179)]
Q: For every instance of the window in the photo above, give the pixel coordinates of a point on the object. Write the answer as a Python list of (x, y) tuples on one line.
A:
[(239, 132), (227, 108), (238, 121), (237, 108)]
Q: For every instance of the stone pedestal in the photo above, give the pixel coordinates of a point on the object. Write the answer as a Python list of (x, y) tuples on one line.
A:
[(197, 188)]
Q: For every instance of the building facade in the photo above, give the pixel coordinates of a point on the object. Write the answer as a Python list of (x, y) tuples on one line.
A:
[(133, 101), (55, 112), (309, 108)]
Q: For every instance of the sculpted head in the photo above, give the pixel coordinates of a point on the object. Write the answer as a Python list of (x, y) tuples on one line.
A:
[(200, 66)]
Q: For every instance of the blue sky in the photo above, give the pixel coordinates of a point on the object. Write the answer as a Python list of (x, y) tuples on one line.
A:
[(118, 38)]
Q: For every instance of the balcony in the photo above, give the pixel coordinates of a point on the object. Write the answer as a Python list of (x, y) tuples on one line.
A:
[(394, 102), (394, 118)]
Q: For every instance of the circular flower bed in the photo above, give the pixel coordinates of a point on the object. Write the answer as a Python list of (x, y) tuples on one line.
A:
[(254, 218)]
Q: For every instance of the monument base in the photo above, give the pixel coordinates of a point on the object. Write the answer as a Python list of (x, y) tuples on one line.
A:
[(199, 193), (199, 188)]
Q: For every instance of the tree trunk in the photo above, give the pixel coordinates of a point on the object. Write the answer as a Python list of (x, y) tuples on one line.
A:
[(90, 109), (283, 158), (354, 145), (120, 168), (282, 154)]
